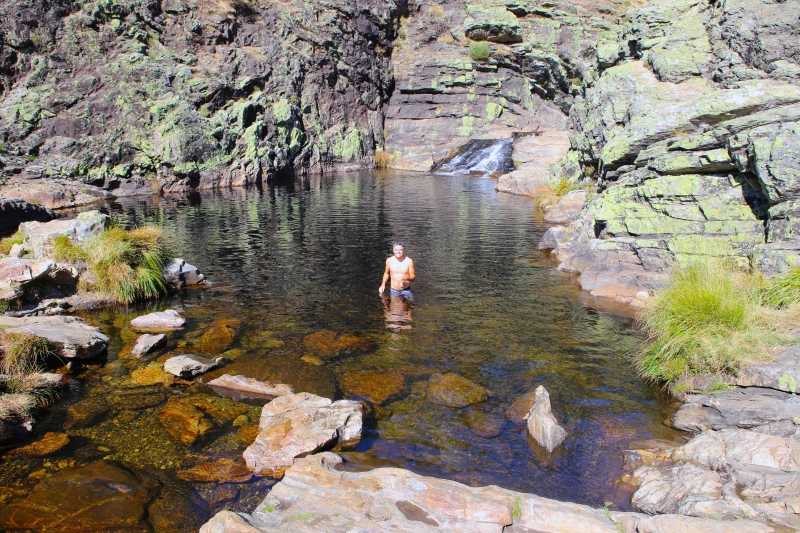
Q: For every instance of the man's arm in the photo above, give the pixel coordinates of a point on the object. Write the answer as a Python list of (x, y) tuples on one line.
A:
[(411, 272), (386, 273)]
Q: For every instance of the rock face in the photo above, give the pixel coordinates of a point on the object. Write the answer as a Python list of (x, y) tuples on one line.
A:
[(68, 336), (40, 237), (14, 211), (250, 386), (315, 496), (188, 366), (147, 344), (452, 390), (296, 425), (198, 94), (781, 374), (169, 319), (542, 425), (695, 142)]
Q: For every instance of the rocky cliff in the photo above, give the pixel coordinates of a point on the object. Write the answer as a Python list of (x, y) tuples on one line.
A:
[(135, 95)]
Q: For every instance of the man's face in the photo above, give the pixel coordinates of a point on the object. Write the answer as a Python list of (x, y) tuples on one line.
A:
[(398, 251)]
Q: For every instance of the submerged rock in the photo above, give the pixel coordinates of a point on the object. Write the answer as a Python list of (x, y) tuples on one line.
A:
[(50, 443), (542, 426), (329, 345), (375, 387), (223, 470), (152, 374), (184, 421), (147, 344), (68, 336), (452, 390), (315, 495), (169, 319), (299, 424), (219, 336), (485, 424), (188, 366), (97, 497), (250, 386)]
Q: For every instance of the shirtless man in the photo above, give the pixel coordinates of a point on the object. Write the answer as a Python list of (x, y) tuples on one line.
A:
[(401, 269)]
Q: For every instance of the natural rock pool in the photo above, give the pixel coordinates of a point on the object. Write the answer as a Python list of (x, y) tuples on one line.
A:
[(293, 260)]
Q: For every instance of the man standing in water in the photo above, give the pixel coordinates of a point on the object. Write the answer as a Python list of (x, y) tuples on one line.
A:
[(401, 269)]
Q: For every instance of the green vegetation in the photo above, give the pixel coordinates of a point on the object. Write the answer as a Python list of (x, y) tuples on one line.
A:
[(479, 51), (65, 250), (710, 319), (546, 195), (516, 512), (22, 388), (8, 242), (127, 264), (783, 290)]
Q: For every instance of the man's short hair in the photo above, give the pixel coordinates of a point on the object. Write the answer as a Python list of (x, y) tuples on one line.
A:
[(398, 243)]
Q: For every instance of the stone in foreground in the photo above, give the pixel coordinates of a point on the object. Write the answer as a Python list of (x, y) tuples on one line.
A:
[(188, 366), (452, 390), (69, 336), (169, 319), (251, 386), (542, 425), (315, 496), (40, 237), (147, 344), (297, 425)]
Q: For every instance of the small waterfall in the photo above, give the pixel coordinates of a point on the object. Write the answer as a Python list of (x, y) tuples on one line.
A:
[(479, 156)]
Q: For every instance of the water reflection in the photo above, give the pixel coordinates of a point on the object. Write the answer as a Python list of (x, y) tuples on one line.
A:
[(399, 310)]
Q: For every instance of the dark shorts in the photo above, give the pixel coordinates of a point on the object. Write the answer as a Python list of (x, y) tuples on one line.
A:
[(405, 293)]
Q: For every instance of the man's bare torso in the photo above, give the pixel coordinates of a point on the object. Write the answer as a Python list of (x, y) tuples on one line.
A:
[(399, 271)]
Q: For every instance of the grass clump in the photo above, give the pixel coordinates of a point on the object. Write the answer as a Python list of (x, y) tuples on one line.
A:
[(383, 159), (127, 264), (709, 319), (783, 290), (22, 387), (8, 242), (65, 250), (479, 51)]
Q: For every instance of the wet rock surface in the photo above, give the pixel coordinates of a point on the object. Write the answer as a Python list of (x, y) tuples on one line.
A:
[(330, 345), (161, 320), (147, 344), (454, 391), (188, 366), (314, 496), (542, 425), (69, 337), (250, 386), (51, 442), (296, 425), (376, 387)]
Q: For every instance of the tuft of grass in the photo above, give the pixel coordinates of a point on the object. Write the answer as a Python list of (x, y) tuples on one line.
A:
[(718, 386), (479, 51), (65, 250), (783, 290), (437, 12), (8, 242), (128, 264), (709, 319), (17, 406), (22, 358), (564, 186), (383, 159)]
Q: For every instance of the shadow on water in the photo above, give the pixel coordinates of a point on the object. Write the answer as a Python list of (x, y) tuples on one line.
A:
[(292, 260)]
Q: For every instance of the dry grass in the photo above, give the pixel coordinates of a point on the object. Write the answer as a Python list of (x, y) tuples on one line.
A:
[(710, 319), (383, 159), (22, 386), (17, 406)]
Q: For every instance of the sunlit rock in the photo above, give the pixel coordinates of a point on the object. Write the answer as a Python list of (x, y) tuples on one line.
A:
[(542, 425)]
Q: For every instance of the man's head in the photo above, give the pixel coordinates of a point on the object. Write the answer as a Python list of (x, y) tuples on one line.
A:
[(398, 249)]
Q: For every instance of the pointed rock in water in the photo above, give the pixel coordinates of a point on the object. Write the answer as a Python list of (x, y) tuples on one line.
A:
[(148, 343), (169, 319), (296, 425), (542, 425), (188, 366), (250, 386)]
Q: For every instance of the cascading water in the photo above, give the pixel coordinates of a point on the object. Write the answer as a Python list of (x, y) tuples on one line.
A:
[(479, 156)]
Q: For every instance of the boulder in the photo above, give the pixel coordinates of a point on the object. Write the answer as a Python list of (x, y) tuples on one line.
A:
[(518, 412), (147, 344), (178, 273), (97, 497), (250, 386), (15, 271), (188, 366), (219, 335), (184, 421), (317, 495), (17, 250), (542, 426), (452, 390), (225, 470), (68, 336), (14, 211), (567, 209), (763, 410), (40, 237), (329, 345), (50, 443), (296, 425), (375, 387), (161, 320)]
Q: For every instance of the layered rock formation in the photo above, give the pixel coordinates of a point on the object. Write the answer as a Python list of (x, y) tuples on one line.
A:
[(198, 94), (692, 136)]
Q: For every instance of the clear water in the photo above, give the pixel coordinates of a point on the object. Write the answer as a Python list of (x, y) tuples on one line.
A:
[(294, 259)]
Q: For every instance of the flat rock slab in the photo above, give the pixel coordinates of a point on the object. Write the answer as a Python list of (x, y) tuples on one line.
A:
[(567, 209), (225, 470), (251, 386), (299, 424), (329, 344), (765, 410), (452, 390), (161, 320), (147, 344), (50, 443), (315, 496), (41, 236), (781, 374), (188, 366), (68, 336), (542, 426), (16, 271), (96, 497)]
